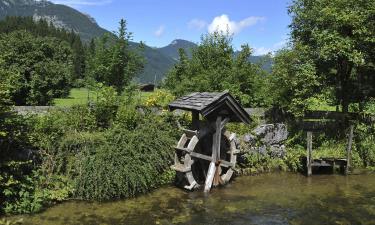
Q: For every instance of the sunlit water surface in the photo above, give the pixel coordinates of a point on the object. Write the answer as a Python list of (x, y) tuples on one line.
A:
[(278, 198)]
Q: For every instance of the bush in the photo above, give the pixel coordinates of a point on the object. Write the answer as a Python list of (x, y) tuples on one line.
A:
[(129, 163), (365, 143), (159, 98)]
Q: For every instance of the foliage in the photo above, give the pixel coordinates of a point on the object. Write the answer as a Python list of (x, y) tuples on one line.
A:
[(338, 37), (214, 67), (25, 191), (294, 81), (42, 28), (365, 143), (159, 98), (114, 64), (130, 162), (36, 69)]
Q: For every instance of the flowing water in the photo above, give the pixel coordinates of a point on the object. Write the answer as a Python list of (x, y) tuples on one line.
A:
[(277, 198)]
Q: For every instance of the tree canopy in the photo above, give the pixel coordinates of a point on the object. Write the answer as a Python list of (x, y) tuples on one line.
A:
[(35, 69), (337, 39), (215, 66), (114, 64)]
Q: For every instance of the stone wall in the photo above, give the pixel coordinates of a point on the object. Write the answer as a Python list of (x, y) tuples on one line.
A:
[(267, 139)]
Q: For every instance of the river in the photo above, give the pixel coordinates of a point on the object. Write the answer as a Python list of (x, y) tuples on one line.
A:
[(276, 198)]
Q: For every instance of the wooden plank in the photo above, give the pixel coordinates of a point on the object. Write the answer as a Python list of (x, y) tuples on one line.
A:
[(217, 140), (309, 153), (331, 115), (181, 168), (317, 125), (349, 149), (210, 177), (215, 155), (224, 163), (190, 133), (201, 156), (182, 149)]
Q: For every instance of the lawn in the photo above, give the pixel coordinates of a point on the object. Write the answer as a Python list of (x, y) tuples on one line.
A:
[(80, 96), (77, 96)]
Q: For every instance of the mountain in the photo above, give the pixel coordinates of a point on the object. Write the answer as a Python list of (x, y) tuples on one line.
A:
[(158, 60), (60, 15), (171, 50)]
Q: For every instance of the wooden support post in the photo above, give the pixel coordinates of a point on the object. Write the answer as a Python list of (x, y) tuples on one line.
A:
[(349, 149), (215, 155), (309, 153), (195, 120), (210, 177)]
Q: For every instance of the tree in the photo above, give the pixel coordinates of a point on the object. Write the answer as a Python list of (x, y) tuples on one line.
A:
[(36, 69), (115, 64), (214, 66), (339, 37), (294, 81), (42, 28)]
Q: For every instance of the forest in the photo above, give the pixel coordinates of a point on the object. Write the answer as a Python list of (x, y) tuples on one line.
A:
[(116, 146)]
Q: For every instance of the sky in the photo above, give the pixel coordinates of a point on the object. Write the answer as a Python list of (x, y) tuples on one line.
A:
[(263, 24)]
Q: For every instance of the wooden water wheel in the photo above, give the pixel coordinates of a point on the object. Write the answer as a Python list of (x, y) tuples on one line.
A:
[(206, 154)]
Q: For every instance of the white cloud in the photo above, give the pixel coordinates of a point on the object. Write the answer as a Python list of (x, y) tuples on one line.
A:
[(82, 2), (197, 24), (223, 24), (160, 31)]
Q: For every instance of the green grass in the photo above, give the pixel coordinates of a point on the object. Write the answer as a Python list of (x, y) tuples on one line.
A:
[(79, 96)]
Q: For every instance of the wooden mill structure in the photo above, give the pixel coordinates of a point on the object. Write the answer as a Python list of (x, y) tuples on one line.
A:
[(206, 153), (320, 121)]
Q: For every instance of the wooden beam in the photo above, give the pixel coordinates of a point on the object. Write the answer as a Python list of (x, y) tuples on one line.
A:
[(224, 122), (215, 155), (309, 153), (201, 156), (210, 177), (195, 120), (330, 115), (349, 149)]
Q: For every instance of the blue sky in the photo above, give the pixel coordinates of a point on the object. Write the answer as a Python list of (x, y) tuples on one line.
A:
[(263, 24)]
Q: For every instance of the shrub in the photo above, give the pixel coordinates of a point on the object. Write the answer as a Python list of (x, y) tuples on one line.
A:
[(129, 163), (159, 98)]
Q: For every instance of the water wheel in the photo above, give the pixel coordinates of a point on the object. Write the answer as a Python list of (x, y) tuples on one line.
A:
[(205, 157)]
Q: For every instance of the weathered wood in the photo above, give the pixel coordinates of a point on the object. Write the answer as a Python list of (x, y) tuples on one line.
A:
[(195, 120), (181, 168), (209, 105), (201, 156), (330, 115), (218, 109), (309, 153), (190, 133), (349, 149), (217, 140), (210, 177), (317, 125), (215, 154)]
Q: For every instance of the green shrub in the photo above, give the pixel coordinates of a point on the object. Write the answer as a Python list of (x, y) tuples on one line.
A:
[(24, 190), (365, 143), (129, 163)]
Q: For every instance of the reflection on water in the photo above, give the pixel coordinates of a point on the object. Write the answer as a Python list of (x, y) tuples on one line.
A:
[(279, 198)]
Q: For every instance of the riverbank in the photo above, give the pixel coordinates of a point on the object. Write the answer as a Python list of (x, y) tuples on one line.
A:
[(273, 198)]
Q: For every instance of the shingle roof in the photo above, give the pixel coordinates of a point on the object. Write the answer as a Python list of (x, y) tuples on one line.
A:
[(212, 104)]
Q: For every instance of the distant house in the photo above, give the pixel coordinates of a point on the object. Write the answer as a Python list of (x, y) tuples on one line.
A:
[(147, 87)]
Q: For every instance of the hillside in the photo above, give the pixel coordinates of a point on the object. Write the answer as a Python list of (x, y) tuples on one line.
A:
[(171, 50), (60, 15), (158, 60)]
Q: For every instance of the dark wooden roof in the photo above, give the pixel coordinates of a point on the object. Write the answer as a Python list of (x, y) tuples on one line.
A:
[(211, 105)]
